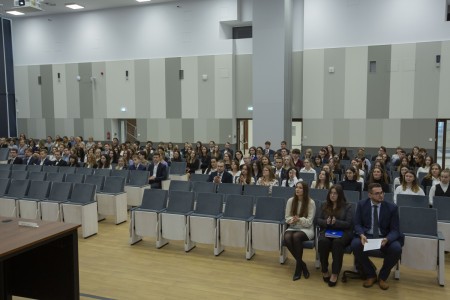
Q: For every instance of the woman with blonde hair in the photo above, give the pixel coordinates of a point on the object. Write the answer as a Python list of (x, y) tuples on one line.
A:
[(409, 186)]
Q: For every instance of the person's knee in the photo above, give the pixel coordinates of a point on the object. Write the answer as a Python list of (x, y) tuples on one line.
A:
[(395, 248), (356, 245)]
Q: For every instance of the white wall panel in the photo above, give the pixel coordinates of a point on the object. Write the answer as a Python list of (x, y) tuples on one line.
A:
[(23, 93), (357, 133), (201, 131), (60, 90), (355, 83), (223, 87), (189, 87), (313, 83), (157, 88), (402, 81)]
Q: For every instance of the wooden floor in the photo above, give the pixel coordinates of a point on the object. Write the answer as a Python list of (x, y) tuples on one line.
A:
[(111, 268)]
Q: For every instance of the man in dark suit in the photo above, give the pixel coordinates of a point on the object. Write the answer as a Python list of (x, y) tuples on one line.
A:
[(158, 172), (227, 149), (58, 159), (14, 160), (43, 159), (376, 219), (267, 151), (220, 176), (30, 159), (279, 171), (137, 164)]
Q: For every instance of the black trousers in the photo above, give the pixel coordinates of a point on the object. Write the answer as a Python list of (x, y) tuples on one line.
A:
[(336, 246)]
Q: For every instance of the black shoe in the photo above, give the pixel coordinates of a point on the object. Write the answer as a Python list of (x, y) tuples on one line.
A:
[(298, 272), (305, 271), (326, 279)]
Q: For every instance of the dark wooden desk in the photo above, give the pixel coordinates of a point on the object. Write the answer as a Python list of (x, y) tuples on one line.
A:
[(39, 263)]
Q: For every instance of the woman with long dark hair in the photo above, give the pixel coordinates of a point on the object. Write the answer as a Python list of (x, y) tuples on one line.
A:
[(335, 223), (300, 211)]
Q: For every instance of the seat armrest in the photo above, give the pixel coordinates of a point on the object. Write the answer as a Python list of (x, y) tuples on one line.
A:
[(440, 236)]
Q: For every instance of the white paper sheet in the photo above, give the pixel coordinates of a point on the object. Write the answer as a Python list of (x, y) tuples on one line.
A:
[(372, 244)]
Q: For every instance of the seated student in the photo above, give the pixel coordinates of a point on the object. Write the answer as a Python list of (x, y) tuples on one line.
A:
[(409, 186), (300, 212), (298, 163), (204, 158), (335, 215), (376, 218), (377, 175), (227, 158), (58, 159), (43, 159), (267, 178), (350, 182), (15, 159), (279, 171), (432, 178), (121, 165), (104, 162), (246, 176), (323, 182), (30, 158), (399, 180), (441, 189), (220, 176), (235, 171), (256, 170), (73, 161), (308, 168), (212, 166), (343, 155), (427, 165), (137, 164), (192, 162), (292, 178), (158, 171)]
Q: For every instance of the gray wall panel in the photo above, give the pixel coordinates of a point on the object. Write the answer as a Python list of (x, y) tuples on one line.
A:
[(60, 127), (142, 87), (50, 127), (417, 132), (141, 125), (341, 129), (85, 86), (78, 127), (48, 104), (187, 130), (73, 91), (34, 90), (22, 126), (426, 85), (173, 88), (378, 83), (297, 84), (206, 105), (334, 100), (225, 130), (244, 81)]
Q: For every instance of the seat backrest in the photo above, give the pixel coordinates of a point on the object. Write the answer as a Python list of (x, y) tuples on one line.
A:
[(34, 168), (4, 154), (229, 189), (417, 220), (204, 187), (209, 204), (50, 169), (389, 197), (179, 185), (364, 195), (18, 188), (67, 170), (98, 180), (84, 171), (19, 174), (41, 176), (270, 208), (177, 168), (308, 177), (55, 177), (284, 192), (5, 173), (39, 189), (83, 193), (6, 167), (138, 177), (317, 194), (256, 190), (154, 199), (74, 178), (238, 206), (60, 191), (4, 185), (199, 177), (352, 196), (103, 172), (121, 173), (412, 200), (442, 205), (420, 176), (180, 201), (19, 167), (114, 184)]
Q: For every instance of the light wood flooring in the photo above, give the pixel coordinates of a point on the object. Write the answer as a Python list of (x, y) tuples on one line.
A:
[(111, 268)]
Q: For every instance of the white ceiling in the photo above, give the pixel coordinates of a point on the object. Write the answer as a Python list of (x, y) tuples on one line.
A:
[(51, 7)]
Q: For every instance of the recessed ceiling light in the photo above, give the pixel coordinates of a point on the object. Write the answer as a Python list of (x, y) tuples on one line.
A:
[(143, 0), (14, 12), (74, 6)]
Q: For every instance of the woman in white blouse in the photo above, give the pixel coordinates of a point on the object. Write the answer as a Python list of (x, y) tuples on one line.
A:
[(292, 179), (409, 186), (308, 168)]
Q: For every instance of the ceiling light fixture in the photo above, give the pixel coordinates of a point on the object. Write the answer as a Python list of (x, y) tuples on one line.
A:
[(143, 0), (74, 6), (14, 12)]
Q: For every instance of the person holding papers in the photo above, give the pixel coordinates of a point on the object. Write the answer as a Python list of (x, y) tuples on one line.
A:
[(377, 220), (335, 221)]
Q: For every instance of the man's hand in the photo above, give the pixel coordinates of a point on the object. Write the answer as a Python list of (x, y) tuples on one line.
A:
[(384, 242), (363, 239)]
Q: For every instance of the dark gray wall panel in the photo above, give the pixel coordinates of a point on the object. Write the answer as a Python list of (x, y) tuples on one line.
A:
[(78, 127), (426, 84), (48, 104), (22, 126), (173, 88), (50, 127), (378, 83), (417, 132), (206, 88), (244, 94), (141, 125), (86, 97), (187, 130), (334, 91), (225, 130)]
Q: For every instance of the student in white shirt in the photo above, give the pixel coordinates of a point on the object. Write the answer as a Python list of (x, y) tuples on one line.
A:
[(409, 186), (308, 168), (441, 189)]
